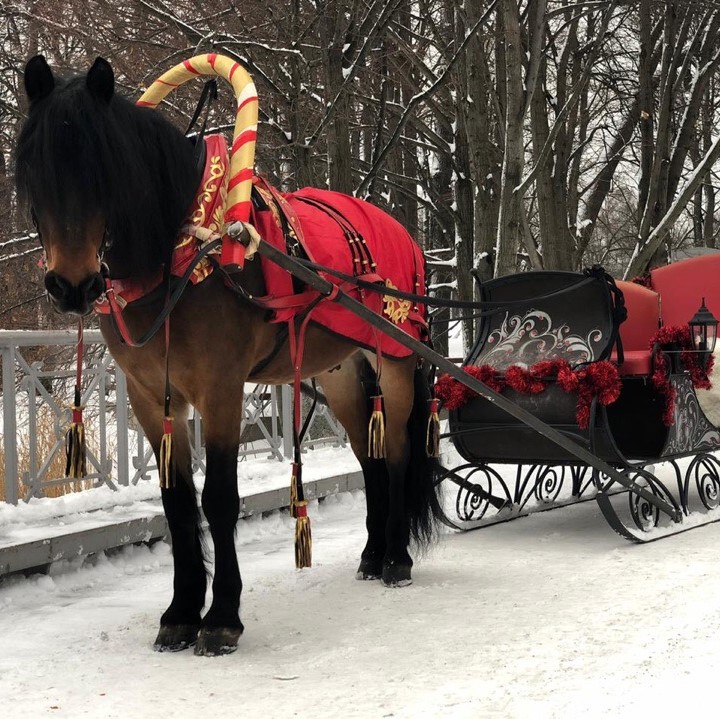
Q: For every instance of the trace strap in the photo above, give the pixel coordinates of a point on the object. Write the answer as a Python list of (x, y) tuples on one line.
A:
[(492, 307)]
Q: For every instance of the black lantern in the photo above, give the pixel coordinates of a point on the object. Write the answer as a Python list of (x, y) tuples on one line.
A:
[(703, 328)]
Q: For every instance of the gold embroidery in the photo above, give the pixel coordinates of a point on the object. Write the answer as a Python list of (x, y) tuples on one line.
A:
[(217, 171), (397, 310)]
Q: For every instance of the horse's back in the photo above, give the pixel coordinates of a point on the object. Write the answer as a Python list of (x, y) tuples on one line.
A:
[(398, 259), (363, 215)]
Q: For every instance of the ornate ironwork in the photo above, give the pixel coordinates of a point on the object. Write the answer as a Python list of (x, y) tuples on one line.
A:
[(645, 515), (704, 472), (482, 495), (693, 488)]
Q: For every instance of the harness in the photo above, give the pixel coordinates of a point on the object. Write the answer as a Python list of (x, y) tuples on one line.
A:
[(196, 256)]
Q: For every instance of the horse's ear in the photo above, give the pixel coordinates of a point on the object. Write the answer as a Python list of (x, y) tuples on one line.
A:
[(39, 80), (101, 80)]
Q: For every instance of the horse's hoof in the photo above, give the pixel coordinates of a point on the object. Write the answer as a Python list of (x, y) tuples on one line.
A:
[(396, 575), (215, 641), (175, 637), (369, 569)]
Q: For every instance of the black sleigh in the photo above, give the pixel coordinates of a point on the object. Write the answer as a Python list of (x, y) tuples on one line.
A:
[(612, 366)]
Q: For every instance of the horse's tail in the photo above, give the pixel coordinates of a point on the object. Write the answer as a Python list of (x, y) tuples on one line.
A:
[(422, 494)]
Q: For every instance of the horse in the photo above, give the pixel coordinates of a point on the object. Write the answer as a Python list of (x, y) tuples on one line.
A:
[(108, 185)]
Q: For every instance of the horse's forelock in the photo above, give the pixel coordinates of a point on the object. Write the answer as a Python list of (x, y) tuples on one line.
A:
[(61, 163), (79, 156)]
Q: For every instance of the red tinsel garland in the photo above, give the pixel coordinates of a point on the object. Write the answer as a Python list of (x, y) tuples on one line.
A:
[(599, 379), (699, 375)]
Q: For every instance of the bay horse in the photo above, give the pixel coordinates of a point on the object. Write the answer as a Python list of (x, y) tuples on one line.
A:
[(108, 185)]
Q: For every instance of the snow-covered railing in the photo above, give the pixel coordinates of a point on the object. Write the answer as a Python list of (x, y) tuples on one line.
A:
[(37, 378)]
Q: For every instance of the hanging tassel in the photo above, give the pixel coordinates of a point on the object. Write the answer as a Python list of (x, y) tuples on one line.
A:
[(298, 509), (75, 452), (376, 430), (165, 463), (432, 439)]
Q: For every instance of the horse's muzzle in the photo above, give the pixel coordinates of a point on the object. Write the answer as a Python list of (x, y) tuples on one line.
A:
[(74, 299)]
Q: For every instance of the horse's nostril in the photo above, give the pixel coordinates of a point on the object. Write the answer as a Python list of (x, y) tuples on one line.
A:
[(57, 287), (92, 288)]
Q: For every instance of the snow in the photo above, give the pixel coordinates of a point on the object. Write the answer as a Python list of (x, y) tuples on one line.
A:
[(41, 518), (548, 616)]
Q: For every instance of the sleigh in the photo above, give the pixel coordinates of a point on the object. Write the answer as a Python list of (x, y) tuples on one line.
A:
[(610, 366)]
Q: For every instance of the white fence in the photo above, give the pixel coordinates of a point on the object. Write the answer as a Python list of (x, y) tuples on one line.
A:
[(37, 384)]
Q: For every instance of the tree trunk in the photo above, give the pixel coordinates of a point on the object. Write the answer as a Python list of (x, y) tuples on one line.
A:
[(338, 138), (509, 222)]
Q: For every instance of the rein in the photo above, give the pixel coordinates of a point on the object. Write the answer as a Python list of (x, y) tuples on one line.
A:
[(492, 307)]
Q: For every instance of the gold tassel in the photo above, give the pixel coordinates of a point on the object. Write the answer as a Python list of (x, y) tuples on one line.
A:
[(303, 537), (303, 532), (75, 452), (376, 430), (432, 439), (165, 463)]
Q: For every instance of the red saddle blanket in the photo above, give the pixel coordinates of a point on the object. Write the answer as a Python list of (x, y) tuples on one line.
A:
[(398, 262)]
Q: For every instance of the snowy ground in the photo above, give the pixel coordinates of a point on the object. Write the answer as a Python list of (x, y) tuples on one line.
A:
[(547, 616)]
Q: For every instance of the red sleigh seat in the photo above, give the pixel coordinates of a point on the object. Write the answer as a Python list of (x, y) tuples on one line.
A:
[(683, 285), (636, 333)]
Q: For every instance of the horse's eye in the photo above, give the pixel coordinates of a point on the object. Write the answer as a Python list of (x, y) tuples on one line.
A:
[(34, 217)]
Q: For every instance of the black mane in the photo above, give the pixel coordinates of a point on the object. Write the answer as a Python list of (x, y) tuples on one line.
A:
[(78, 155)]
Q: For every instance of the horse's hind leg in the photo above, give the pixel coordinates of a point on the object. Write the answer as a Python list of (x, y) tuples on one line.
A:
[(398, 386), (386, 552), (221, 626), (349, 403), (180, 622)]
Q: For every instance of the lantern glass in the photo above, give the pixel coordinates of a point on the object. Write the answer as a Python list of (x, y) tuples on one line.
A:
[(703, 327)]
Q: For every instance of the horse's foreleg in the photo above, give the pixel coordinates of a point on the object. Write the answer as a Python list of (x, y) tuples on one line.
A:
[(221, 626), (180, 622)]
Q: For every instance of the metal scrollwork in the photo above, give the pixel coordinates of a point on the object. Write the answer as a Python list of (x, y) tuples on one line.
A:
[(471, 503), (482, 495), (477, 493), (548, 484), (645, 515), (705, 471)]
